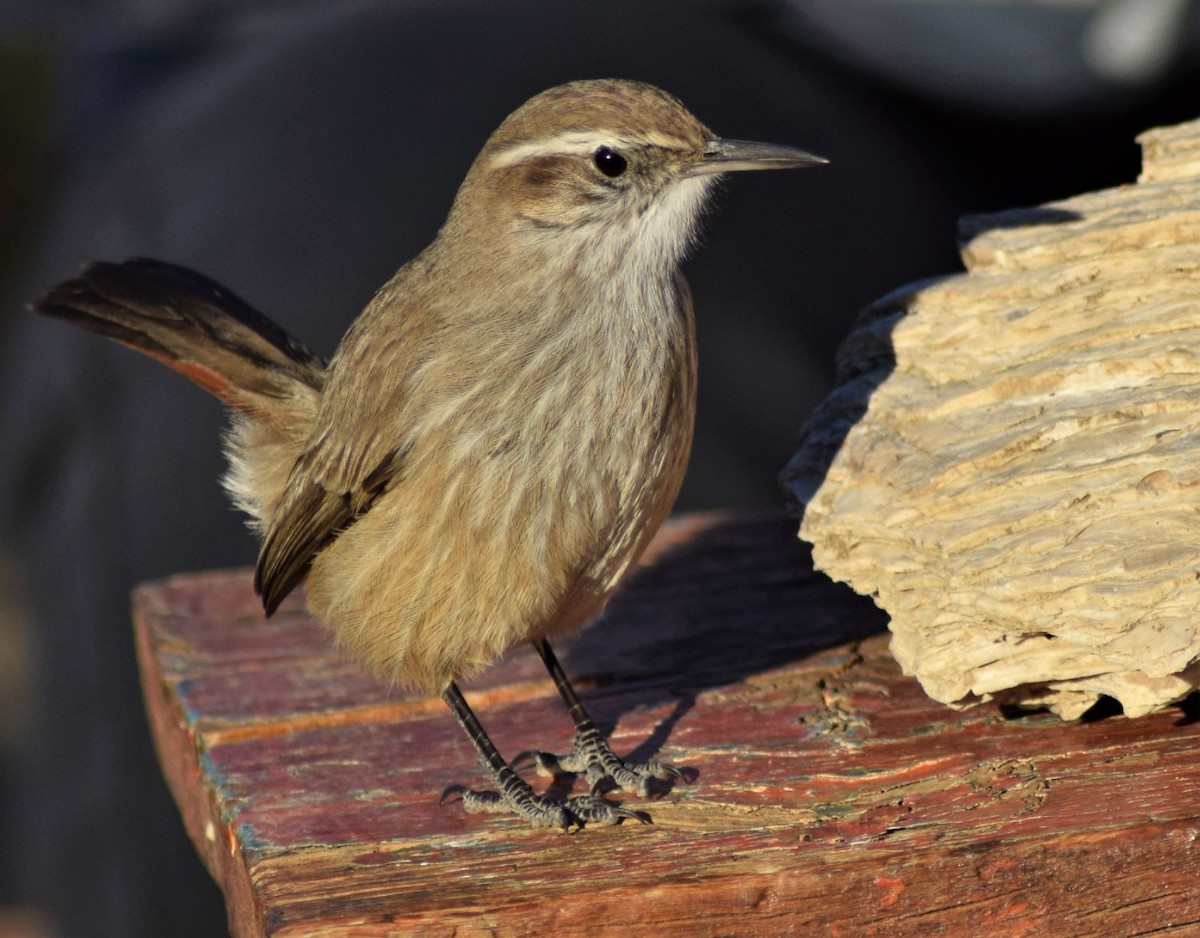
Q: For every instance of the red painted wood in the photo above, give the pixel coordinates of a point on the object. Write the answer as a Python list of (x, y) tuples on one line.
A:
[(832, 796)]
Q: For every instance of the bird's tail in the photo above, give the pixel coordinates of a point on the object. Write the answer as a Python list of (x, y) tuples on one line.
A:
[(206, 333), (193, 325)]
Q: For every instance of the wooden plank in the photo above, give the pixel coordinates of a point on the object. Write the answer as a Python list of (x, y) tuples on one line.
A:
[(832, 797)]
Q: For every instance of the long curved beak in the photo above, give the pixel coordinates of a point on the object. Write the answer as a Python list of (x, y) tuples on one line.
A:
[(727, 156)]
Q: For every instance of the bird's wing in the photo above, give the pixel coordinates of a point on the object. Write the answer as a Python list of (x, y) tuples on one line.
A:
[(361, 436), (318, 505)]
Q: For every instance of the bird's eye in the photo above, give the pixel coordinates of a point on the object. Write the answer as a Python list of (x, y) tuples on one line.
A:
[(609, 162)]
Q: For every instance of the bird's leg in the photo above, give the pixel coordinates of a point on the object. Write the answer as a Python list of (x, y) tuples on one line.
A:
[(515, 796), (592, 757)]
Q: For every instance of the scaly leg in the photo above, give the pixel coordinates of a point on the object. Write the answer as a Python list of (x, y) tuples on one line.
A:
[(515, 796), (592, 757)]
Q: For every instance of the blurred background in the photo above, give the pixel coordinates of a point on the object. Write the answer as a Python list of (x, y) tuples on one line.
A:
[(301, 151)]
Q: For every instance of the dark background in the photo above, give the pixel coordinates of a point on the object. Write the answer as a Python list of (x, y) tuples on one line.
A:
[(300, 152)]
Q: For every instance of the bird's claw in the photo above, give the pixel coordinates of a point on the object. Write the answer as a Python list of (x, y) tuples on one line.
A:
[(543, 811), (603, 770)]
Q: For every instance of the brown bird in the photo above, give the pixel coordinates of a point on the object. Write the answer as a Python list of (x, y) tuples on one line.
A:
[(502, 429)]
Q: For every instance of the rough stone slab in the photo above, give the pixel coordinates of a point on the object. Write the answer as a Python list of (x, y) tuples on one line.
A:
[(1010, 466)]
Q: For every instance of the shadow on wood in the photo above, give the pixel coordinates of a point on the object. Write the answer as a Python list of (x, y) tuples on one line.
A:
[(833, 794)]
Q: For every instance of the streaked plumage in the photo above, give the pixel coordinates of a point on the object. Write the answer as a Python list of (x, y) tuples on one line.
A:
[(503, 428)]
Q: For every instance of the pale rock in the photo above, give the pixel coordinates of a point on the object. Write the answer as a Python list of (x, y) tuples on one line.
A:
[(1010, 465)]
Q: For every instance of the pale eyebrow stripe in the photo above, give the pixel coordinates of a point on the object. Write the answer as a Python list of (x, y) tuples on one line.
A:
[(579, 142), (567, 143)]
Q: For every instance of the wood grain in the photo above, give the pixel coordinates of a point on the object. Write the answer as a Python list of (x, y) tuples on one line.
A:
[(832, 797)]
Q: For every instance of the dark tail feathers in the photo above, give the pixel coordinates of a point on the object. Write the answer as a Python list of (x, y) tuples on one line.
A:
[(190, 323)]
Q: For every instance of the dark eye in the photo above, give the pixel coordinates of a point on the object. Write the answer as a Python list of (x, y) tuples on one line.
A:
[(609, 162)]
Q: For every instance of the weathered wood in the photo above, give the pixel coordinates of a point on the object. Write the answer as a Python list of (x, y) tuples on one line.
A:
[(833, 796), (1010, 464)]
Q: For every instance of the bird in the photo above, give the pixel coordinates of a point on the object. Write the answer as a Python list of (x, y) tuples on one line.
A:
[(499, 433)]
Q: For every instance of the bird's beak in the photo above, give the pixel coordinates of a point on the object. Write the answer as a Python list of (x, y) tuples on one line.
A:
[(727, 156)]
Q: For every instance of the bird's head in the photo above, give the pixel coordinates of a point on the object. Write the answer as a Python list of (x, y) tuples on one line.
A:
[(607, 165)]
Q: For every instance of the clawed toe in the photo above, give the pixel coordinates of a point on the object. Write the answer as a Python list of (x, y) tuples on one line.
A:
[(599, 811), (541, 810), (647, 779), (544, 763), (590, 757), (603, 770)]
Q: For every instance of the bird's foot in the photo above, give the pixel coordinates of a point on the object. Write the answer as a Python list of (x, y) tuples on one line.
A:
[(603, 770), (542, 810)]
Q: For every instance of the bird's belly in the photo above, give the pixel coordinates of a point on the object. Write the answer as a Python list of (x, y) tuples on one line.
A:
[(495, 537)]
